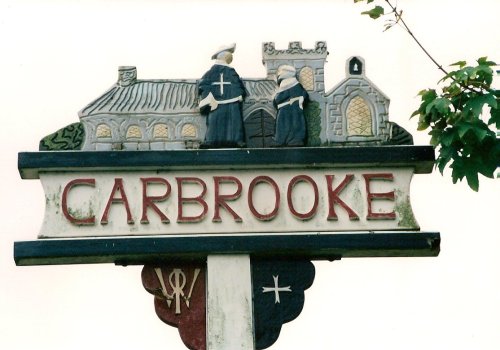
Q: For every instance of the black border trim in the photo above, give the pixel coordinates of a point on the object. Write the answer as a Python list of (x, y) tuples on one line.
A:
[(142, 250), (420, 157)]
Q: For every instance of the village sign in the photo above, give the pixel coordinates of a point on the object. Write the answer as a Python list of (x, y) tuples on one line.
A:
[(226, 188)]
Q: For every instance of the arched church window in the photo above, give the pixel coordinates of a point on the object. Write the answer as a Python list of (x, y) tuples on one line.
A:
[(134, 132), (188, 130), (103, 131), (306, 78), (359, 118), (160, 131)]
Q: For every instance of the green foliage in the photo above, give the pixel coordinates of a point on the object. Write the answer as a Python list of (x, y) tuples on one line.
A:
[(312, 113), (68, 138), (375, 12), (460, 115)]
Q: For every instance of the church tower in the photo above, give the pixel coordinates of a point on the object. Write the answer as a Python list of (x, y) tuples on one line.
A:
[(309, 63)]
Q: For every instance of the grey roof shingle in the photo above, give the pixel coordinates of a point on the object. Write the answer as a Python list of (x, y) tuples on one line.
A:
[(164, 97)]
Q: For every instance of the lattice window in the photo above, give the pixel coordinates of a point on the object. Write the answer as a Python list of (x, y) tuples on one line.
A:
[(359, 118), (103, 131), (160, 131), (188, 130), (134, 132), (306, 78)]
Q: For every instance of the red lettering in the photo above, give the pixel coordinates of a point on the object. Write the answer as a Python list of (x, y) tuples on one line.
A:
[(220, 199), (370, 196), (77, 221), (251, 188), (333, 197), (117, 187), (199, 199), (149, 201), (291, 185)]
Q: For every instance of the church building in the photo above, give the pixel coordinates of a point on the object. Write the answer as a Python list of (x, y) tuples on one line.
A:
[(163, 114)]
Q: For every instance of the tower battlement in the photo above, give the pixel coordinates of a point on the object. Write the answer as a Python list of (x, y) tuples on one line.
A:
[(309, 63)]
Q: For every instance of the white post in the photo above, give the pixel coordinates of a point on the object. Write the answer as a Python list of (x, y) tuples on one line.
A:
[(229, 303)]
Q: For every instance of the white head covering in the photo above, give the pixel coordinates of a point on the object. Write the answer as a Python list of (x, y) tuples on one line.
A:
[(286, 71), (229, 48)]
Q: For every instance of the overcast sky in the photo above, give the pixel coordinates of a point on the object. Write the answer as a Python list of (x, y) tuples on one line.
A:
[(57, 56)]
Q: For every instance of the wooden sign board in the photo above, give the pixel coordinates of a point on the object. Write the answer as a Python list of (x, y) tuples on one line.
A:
[(248, 198), (220, 201), (121, 198)]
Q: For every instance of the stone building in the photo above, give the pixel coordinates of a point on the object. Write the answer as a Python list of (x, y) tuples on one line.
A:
[(139, 114)]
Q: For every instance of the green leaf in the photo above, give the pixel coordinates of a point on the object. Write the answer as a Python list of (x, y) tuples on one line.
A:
[(463, 129), (484, 61), (458, 170), (472, 179), (476, 104), (461, 64), (481, 133), (448, 137), (445, 156), (375, 12), (484, 73), (495, 117), (436, 137), (422, 125), (428, 95), (441, 105), (417, 112)]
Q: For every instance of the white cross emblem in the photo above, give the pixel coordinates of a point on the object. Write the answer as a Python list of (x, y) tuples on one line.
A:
[(221, 83), (276, 289)]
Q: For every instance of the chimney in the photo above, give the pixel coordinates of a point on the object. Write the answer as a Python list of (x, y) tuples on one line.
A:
[(127, 75)]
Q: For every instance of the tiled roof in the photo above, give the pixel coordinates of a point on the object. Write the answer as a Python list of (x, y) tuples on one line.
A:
[(164, 97), (152, 97), (260, 89)]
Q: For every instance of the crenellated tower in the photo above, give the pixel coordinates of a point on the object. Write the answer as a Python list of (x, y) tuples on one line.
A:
[(309, 63)]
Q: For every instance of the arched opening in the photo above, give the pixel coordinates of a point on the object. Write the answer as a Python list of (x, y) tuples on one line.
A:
[(306, 78), (134, 132), (355, 66), (160, 131), (103, 131), (189, 131), (359, 118), (259, 129)]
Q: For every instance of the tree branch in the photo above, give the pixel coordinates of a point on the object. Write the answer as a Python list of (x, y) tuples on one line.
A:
[(399, 18)]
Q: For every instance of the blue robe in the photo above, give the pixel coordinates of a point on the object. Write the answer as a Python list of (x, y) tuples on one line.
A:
[(290, 121), (225, 123)]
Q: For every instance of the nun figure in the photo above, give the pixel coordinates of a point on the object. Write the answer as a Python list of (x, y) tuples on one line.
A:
[(289, 101), (221, 93)]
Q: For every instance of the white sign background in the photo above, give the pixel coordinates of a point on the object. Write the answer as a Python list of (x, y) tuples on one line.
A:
[(85, 201)]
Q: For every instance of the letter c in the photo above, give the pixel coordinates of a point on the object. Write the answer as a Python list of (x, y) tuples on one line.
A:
[(77, 221)]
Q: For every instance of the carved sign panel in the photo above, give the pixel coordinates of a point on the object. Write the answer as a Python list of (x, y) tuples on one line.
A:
[(218, 201)]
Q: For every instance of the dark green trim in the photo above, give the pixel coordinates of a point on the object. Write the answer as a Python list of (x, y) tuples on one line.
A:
[(420, 157), (141, 250)]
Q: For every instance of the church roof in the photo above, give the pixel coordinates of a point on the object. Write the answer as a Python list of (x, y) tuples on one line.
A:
[(164, 97), (146, 96), (260, 89)]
